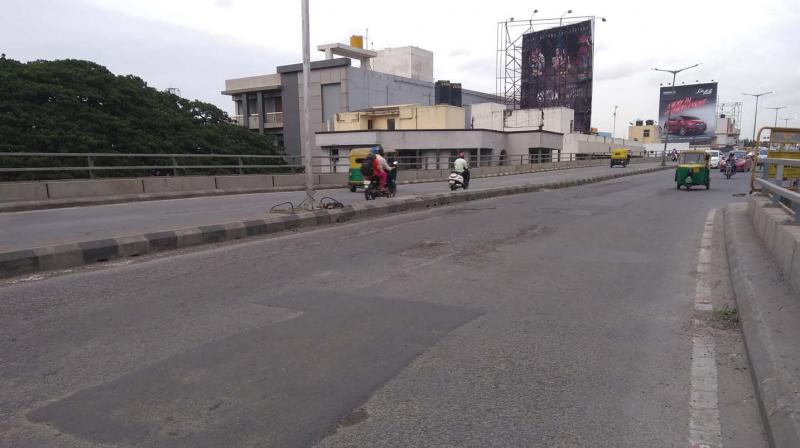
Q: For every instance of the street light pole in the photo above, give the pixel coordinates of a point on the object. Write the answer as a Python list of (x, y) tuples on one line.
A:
[(786, 121), (306, 150), (755, 117), (614, 129), (669, 110), (776, 109), (561, 20)]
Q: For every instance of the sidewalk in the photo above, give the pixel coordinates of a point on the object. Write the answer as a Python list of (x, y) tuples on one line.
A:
[(769, 312)]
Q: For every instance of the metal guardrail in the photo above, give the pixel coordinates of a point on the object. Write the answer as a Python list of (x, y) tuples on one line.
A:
[(781, 196), (170, 164)]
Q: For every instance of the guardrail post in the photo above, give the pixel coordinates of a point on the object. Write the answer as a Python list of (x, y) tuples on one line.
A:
[(241, 171), (90, 162), (174, 166)]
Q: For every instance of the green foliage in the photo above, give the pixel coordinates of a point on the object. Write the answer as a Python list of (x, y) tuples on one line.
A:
[(79, 106)]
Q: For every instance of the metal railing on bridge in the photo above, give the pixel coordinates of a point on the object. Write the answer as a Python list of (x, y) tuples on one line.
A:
[(20, 166), (785, 196)]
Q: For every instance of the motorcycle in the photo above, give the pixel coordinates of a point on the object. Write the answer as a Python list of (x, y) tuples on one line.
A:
[(730, 168), (372, 186), (456, 181)]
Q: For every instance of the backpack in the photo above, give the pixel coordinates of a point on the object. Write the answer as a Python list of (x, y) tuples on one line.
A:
[(367, 166)]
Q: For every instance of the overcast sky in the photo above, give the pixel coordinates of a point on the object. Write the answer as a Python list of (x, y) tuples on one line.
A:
[(195, 45)]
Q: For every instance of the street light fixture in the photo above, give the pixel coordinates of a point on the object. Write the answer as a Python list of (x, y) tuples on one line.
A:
[(669, 109), (561, 20), (755, 117), (787, 120), (776, 109)]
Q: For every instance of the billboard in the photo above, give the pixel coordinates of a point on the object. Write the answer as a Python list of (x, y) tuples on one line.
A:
[(688, 113), (557, 70)]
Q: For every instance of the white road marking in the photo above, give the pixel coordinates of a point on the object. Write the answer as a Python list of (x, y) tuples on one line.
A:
[(704, 426)]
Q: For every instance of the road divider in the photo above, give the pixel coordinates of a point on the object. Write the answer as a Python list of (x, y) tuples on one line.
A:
[(66, 256)]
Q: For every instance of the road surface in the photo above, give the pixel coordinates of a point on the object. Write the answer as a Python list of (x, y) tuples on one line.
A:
[(552, 319), (25, 230)]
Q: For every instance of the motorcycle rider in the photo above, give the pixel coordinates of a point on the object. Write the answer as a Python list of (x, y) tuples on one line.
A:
[(731, 162), (461, 166), (385, 167)]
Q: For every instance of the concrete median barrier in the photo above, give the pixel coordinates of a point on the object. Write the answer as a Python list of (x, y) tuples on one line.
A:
[(185, 183), (23, 191), (245, 182), (83, 189), (90, 252)]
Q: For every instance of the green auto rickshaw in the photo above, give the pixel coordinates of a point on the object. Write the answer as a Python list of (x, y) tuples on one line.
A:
[(357, 156), (693, 169)]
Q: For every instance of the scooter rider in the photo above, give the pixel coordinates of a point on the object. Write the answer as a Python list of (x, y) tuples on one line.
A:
[(380, 168), (731, 162), (461, 166)]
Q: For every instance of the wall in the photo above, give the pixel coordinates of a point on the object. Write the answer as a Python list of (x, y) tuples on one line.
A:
[(252, 83), (556, 119), (409, 62), (407, 117), (487, 116), (586, 144), (636, 133)]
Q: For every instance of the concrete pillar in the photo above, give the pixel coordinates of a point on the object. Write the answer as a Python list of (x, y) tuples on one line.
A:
[(245, 111), (260, 106)]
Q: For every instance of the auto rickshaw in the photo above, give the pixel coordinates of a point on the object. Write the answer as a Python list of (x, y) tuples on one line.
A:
[(693, 169), (620, 156), (357, 156)]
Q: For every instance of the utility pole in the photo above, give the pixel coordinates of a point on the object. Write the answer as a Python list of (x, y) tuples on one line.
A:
[(669, 110), (306, 149), (755, 117), (776, 109)]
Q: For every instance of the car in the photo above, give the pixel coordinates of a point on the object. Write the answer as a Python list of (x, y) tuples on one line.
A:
[(713, 161), (762, 154), (686, 125), (743, 162)]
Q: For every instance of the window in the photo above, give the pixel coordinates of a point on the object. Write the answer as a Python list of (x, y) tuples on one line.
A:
[(646, 133), (369, 124), (540, 155), (390, 124)]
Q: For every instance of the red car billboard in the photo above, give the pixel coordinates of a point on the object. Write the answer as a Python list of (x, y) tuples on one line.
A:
[(688, 113), (557, 70)]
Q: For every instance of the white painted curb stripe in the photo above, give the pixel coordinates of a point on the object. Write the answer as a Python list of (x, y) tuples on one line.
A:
[(704, 426)]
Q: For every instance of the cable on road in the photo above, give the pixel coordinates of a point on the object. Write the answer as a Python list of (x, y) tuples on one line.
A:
[(329, 203)]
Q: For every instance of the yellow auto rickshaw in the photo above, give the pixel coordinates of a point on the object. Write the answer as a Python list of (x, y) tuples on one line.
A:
[(357, 156), (620, 156)]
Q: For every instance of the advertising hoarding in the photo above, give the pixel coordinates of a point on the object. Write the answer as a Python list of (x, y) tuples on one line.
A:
[(688, 112), (557, 70)]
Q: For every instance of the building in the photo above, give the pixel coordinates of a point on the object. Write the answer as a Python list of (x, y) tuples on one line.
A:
[(401, 117), (272, 104), (644, 132), (726, 134), (408, 62)]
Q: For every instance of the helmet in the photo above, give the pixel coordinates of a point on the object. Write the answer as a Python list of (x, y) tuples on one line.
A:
[(373, 150)]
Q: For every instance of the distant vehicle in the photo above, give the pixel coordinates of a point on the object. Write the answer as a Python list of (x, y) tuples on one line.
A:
[(742, 161), (686, 125), (762, 154), (713, 161)]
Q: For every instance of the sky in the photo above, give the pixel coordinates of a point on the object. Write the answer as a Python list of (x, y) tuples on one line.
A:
[(195, 45)]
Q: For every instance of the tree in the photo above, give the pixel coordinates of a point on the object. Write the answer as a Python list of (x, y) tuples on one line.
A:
[(79, 106)]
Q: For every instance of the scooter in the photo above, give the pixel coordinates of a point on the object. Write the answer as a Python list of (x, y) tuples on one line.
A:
[(372, 189), (456, 181)]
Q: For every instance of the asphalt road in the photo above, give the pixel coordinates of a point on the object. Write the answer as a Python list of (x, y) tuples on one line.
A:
[(558, 318), (25, 230)]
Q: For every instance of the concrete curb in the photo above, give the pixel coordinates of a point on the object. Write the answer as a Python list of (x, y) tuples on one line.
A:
[(769, 311), (64, 256), (21, 206)]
